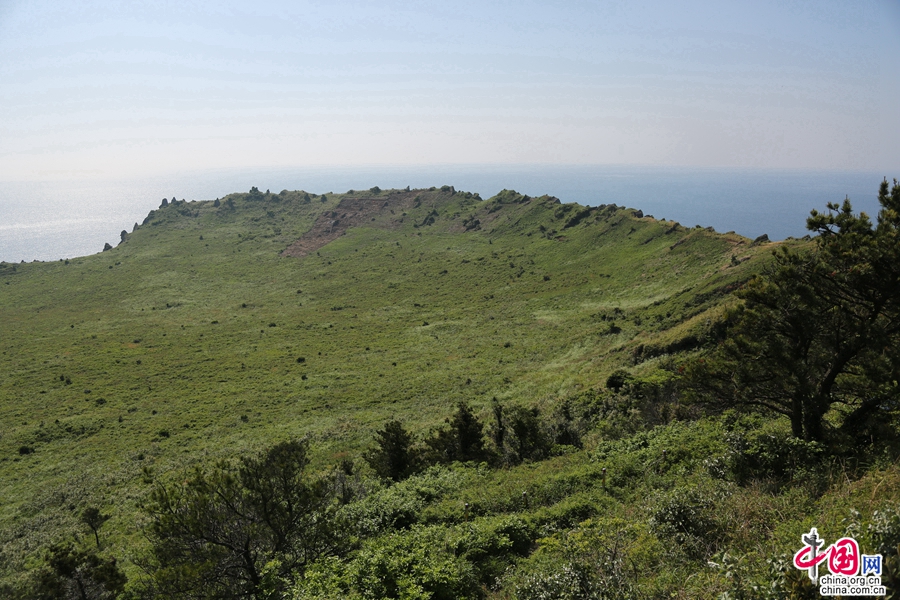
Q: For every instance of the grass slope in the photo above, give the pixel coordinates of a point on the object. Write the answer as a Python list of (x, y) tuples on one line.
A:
[(196, 338)]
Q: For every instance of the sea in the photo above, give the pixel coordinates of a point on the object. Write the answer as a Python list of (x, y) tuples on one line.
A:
[(59, 219)]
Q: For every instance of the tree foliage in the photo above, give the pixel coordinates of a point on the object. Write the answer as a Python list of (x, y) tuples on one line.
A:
[(394, 457), (214, 535), (527, 441), (523, 433), (816, 337), (76, 574), (461, 439), (93, 518), (617, 379)]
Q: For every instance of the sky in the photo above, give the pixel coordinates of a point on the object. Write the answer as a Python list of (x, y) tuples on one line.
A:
[(98, 89)]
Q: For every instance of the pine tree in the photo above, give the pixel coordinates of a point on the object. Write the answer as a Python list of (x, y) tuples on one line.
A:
[(393, 457), (816, 337)]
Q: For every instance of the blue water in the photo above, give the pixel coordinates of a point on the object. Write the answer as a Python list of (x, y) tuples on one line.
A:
[(64, 219)]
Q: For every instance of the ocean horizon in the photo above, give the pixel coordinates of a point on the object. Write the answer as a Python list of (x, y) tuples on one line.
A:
[(60, 219)]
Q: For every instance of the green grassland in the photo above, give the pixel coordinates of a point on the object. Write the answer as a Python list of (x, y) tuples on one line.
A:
[(196, 339)]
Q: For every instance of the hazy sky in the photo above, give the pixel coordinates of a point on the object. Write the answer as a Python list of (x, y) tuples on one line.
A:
[(130, 88)]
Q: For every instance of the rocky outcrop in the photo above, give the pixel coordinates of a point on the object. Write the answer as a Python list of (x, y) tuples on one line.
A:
[(356, 211)]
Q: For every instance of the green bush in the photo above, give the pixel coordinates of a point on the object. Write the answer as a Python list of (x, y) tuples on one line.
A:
[(687, 518), (491, 544), (884, 531), (768, 455), (779, 579), (399, 506), (618, 379), (413, 565), (528, 440), (591, 562)]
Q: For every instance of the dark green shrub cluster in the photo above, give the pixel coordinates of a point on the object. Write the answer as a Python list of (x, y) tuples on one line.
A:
[(263, 526), (516, 434), (767, 454), (414, 564), (594, 560), (778, 580), (422, 561), (617, 380), (460, 439), (687, 518), (75, 573)]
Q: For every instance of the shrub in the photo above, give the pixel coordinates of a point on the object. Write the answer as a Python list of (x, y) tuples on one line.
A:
[(617, 380), (687, 517), (769, 455), (884, 530), (400, 505), (590, 562), (491, 544), (414, 565), (564, 429), (779, 580)]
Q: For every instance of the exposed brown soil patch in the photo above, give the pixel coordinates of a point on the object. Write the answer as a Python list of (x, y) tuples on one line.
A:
[(384, 211)]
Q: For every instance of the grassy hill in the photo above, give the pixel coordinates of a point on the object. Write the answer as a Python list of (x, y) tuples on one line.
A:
[(216, 329)]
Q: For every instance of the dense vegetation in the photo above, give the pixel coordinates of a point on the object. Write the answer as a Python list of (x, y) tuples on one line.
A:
[(422, 394)]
